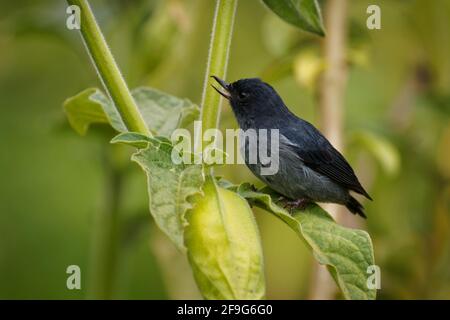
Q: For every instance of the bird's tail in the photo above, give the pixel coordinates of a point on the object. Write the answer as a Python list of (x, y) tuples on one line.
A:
[(355, 207)]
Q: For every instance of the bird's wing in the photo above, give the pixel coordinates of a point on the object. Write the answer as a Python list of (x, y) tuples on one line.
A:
[(318, 154)]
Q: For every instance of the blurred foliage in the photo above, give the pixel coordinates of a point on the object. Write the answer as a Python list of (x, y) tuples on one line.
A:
[(54, 184)]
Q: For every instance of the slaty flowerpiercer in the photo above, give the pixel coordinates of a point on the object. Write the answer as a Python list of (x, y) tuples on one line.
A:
[(310, 168)]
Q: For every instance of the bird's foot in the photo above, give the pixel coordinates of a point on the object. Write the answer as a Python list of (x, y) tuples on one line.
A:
[(299, 204)]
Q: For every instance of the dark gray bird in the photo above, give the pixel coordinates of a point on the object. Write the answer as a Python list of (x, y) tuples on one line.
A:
[(310, 168)]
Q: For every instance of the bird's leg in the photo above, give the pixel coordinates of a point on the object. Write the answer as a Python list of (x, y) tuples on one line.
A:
[(300, 204)]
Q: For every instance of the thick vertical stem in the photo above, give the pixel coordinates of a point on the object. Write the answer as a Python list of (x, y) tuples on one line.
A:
[(334, 81), (217, 60), (107, 69), (332, 99)]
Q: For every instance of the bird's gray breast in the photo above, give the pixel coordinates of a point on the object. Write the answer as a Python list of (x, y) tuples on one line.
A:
[(292, 178)]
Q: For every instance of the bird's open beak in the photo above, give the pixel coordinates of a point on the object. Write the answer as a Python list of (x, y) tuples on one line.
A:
[(224, 85)]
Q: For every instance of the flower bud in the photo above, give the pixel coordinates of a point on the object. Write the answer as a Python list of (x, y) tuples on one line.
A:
[(224, 246)]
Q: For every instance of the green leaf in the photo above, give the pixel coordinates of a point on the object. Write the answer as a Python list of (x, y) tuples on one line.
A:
[(304, 14), (162, 113), (88, 107), (137, 140), (346, 252), (224, 247), (170, 185)]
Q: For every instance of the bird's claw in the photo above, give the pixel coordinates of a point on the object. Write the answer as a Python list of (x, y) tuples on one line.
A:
[(299, 204)]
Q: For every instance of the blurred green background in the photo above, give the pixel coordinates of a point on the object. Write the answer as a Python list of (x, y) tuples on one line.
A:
[(57, 188)]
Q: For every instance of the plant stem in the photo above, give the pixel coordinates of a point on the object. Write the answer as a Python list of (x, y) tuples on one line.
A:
[(108, 70), (105, 244), (332, 98), (217, 61)]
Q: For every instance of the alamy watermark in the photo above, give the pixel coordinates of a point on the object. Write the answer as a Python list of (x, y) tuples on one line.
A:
[(73, 21), (73, 281), (259, 147), (374, 20), (374, 280)]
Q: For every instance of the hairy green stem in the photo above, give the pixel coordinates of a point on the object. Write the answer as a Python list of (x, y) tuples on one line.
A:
[(105, 244), (108, 70), (217, 60)]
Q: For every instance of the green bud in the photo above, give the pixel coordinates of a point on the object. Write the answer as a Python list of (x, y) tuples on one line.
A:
[(224, 246)]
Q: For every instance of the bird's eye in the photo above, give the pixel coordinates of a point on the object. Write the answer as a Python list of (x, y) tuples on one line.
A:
[(243, 95)]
